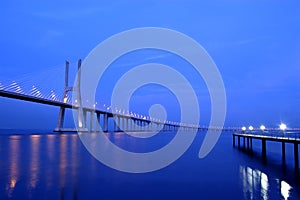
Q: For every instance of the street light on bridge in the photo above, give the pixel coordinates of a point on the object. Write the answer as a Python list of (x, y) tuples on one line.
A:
[(250, 128), (282, 127), (262, 127), (244, 129)]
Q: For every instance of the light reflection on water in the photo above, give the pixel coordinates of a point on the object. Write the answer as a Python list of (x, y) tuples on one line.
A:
[(13, 164), (33, 161), (57, 166), (255, 182), (285, 189), (34, 158)]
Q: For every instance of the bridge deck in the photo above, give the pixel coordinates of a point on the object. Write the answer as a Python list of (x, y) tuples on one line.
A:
[(25, 97), (288, 138)]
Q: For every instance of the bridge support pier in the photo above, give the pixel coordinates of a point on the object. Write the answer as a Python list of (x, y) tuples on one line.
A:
[(296, 156), (283, 152), (115, 124), (92, 120), (67, 88), (105, 122), (98, 122), (60, 122), (264, 149), (84, 119), (140, 126), (248, 143)]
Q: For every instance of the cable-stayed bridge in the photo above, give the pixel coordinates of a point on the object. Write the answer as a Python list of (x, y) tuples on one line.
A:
[(97, 116)]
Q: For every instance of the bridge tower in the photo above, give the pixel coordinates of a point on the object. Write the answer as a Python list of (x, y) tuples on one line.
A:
[(61, 116)]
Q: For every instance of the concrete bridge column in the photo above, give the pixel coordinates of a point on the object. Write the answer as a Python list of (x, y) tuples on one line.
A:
[(296, 155), (264, 149), (115, 124), (140, 125), (84, 119), (133, 125), (283, 151), (61, 117), (123, 124), (92, 121), (119, 123), (98, 122), (105, 122), (127, 123)]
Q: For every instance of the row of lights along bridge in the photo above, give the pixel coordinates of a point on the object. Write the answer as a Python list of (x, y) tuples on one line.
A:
[(282, 127)]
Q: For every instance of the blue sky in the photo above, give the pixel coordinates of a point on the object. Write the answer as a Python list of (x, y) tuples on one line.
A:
[(255, 44)]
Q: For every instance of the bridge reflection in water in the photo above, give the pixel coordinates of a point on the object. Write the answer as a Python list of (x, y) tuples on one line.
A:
[(39, 164), (57, 166)]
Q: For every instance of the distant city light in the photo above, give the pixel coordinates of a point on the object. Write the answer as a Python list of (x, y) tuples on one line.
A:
[(282, 126), (262, 127), (250, 128), (244, 128)]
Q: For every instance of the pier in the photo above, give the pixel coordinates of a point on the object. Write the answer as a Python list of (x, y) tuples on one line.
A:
[(244, 142)]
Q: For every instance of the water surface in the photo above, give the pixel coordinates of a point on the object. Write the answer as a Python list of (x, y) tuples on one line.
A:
[(44, 165)]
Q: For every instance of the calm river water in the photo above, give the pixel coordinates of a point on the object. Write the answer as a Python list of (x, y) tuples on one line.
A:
[(41, 165)]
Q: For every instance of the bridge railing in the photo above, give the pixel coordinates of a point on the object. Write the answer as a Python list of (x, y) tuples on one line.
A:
[(289, 134)]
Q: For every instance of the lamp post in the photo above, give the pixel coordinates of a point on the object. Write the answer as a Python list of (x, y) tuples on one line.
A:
[(250, 128), (243, 129), (282, 127), (262, 128)]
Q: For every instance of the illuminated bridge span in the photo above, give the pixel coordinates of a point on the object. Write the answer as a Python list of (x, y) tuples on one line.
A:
[(124, 121)]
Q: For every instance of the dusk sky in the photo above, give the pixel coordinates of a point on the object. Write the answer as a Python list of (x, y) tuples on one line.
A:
[(255, 45)]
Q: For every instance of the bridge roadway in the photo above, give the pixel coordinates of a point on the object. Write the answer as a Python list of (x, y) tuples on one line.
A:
[(139, 121), (129, 122)]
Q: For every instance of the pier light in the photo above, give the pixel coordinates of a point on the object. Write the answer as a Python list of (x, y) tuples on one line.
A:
[(262, 127), (244, 129), (250, 128), (282, 126)]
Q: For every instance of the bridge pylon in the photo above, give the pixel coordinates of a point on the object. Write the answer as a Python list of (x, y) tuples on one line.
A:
[(61, 116)]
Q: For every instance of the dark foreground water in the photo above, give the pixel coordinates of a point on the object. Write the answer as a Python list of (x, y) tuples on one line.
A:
[(52, 166)]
